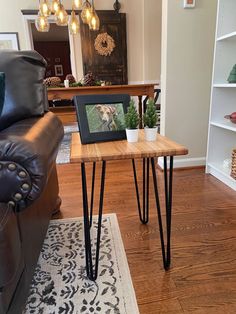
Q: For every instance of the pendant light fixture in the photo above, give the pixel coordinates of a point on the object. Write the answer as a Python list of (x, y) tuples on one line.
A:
[(77, 4), (55, 6), (44, 8), (86, 12), (94, 23), (73, 23), (61, 16), (88, 15), (41, 23)]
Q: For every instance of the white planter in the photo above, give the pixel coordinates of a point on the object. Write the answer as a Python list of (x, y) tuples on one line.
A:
[(150, 134), (132, 135)]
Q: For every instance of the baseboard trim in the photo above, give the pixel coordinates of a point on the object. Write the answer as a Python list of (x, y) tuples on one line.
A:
[(185, 162)]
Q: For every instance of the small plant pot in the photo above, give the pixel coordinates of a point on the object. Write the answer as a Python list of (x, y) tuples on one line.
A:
[(132, 135), (150, 134)]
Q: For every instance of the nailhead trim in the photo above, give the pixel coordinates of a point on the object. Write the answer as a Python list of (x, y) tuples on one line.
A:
[(25, 186), (22, 174), (11, 167)]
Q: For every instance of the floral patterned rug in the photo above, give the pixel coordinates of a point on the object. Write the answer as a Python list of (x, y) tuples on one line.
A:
[(60, 285)]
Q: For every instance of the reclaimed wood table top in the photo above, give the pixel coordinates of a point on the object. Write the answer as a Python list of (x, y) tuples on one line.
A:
[(123, 150), (132, 90)]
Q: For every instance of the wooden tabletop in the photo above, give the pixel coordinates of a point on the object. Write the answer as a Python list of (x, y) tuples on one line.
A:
[(132, 90), (123, 150)]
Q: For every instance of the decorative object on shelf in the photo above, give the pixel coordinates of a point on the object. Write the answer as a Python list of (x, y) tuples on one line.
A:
[(66, 83), (9, 41), (189, 4), (131, 123), (70, 78), (55, 7), (53, 81), (89, 79), (104, 44), (150, 121), (231, 117), (101, 117), (232, 76), (233, 165)]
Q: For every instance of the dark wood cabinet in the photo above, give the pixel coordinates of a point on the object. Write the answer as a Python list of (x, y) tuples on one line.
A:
[(113, 67)]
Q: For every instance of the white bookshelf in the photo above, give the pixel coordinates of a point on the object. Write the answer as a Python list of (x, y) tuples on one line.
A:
[(222, 132)]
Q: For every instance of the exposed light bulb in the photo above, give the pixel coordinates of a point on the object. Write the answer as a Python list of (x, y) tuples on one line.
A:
[(44, 8), (73, 24), (77, 4), (61, 16), (86, 12), (41, 23), (55, 6), (94, 23)]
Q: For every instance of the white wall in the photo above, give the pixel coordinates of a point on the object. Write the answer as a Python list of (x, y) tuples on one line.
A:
[(152, 40), (187, 58), (12, 21)]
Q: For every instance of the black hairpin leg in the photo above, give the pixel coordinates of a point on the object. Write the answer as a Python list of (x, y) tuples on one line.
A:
[(144, 212), (92, 194), (92, 269), (168, 202)]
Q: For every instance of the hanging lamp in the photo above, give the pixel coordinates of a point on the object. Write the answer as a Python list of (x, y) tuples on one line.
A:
[(61, 16), (41, 23), (94, 23), (86, 12), (73, 23), (44, 8)]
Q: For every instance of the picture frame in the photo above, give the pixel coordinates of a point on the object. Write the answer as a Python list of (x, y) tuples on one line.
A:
[(9, 41), (58, 70), (189, 4), (101, 118)]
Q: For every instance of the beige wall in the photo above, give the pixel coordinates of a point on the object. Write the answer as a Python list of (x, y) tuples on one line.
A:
[(12, 21), (152, 40), (188, 43)]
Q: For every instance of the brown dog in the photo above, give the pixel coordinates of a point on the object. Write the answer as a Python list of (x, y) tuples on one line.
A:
[(107, 114)]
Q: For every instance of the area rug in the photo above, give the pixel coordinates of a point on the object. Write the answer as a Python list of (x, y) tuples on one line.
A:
[(63, 156), (60, 285)]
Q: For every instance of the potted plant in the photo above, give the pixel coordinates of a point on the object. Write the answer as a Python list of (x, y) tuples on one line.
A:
[(150, 121), (131, 123)]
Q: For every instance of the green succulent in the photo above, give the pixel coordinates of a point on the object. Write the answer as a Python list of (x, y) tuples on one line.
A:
[(132, 116), (150, 116)]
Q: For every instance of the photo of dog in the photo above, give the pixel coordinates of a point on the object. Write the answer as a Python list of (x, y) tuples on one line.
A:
[(105, 117)]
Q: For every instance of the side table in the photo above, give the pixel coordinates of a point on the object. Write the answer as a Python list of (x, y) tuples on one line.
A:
[(119, 150)]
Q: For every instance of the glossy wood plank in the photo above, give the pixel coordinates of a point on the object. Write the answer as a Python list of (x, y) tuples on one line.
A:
[(124, 150), (202, 278), (132, 90)]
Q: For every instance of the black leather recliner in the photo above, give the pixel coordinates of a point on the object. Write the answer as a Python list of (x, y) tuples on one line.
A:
[(29, 142)]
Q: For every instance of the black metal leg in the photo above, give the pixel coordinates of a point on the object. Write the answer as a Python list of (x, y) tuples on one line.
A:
[(168, 200), (92, 269), (143, 213), (92, 194)]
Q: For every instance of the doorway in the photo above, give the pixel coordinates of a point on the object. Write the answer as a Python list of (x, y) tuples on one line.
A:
[(54, 46)]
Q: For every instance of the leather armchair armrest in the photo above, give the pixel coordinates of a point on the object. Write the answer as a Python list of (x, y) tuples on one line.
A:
[(28, 150)]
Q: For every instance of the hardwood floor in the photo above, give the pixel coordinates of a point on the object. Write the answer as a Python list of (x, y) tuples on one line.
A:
[(202, 278)]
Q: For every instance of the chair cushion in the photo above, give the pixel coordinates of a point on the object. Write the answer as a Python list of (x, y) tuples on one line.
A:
[(2, 90), (24, 90)]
